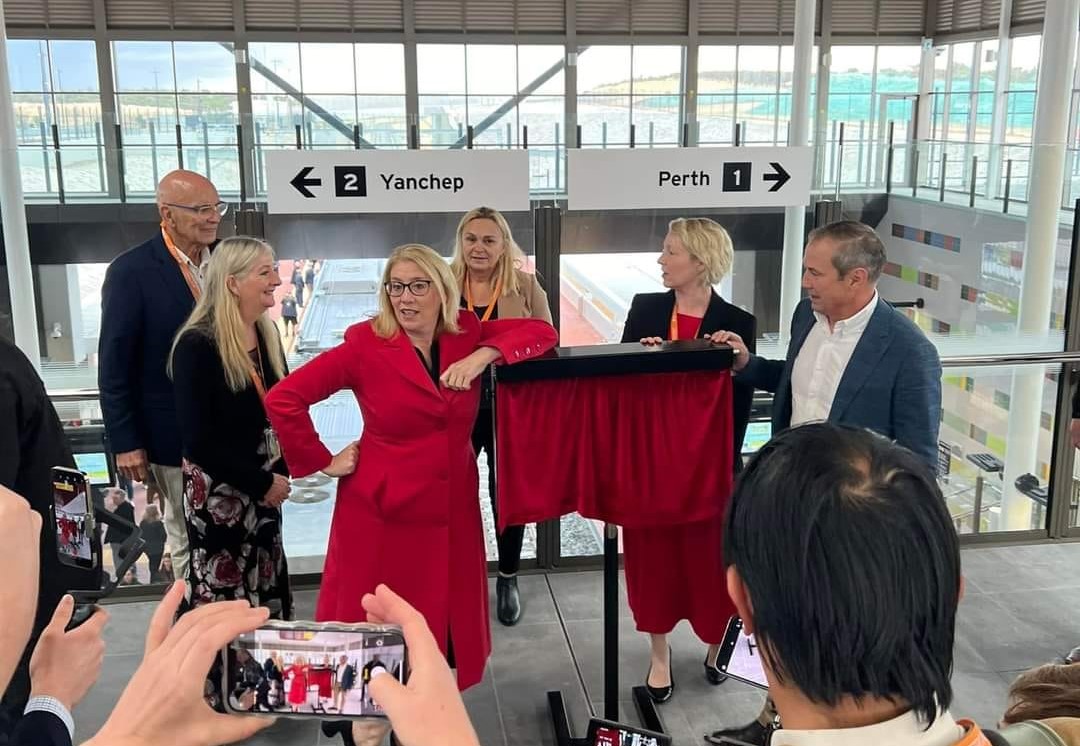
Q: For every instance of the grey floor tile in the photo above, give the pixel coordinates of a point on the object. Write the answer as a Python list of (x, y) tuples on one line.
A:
[(527, 662), (1032, 567), (483, 706), (94, 710), (1002, 640), (979, 697), (537, 605), (125, 634), (580, 595), (1055, 613)]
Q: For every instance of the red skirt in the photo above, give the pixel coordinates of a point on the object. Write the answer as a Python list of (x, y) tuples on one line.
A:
[(677, 572)]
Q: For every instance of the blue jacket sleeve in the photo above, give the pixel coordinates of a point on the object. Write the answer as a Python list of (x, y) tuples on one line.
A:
[(917, 402), (118, 350), (762, 373)]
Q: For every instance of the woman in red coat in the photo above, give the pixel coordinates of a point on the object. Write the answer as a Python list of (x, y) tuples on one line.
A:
[(297, 676), (408, 517)]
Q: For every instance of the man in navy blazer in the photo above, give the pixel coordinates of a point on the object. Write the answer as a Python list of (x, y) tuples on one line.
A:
[(149, 292), (853, 359)]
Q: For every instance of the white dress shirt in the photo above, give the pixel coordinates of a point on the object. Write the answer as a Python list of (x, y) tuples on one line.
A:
[(821, 363), (198, 271), (906, 730)]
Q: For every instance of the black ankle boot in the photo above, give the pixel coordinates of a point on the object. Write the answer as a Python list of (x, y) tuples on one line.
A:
[(507, 600)]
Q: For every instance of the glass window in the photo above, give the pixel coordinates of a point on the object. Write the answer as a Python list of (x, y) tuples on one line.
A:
[(898, 69), (440, 68), (492, 69), (204, 67), (380, 68), (537, 60), (74, 66), (143, 66), (327, 68), (28, 65), (274, 63)]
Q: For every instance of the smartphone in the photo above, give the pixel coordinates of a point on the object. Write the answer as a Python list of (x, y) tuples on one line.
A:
[(73, 517), (739, 656), (607, 733), (311, 669)]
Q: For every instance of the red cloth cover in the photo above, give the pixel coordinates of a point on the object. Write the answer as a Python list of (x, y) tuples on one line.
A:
[(635, 450)]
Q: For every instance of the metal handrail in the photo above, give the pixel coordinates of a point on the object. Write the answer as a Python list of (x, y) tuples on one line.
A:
[(956, 361)]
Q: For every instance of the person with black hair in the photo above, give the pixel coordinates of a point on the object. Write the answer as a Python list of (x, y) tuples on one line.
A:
[(842, 560)]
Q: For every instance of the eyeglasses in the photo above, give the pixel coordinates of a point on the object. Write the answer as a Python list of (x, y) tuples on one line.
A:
[(418, 288), (203, 211)]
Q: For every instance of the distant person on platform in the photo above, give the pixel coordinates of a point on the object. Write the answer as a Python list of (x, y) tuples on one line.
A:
[(853, 359), (289, 314), (149, 292)]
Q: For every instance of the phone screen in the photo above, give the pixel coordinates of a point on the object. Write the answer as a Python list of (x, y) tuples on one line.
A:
[(73, 515), (299, 669), (739, 656), (607, 733)]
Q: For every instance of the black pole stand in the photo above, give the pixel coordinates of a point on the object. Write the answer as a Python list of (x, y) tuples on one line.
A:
[(643, 703)]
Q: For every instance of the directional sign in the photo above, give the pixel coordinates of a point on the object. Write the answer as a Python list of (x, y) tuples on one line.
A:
[(693, 178), (337, 181)]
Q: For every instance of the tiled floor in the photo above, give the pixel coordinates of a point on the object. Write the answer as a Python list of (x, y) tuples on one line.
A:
[(1022, 607)]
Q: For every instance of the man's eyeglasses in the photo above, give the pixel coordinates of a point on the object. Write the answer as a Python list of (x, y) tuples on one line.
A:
[(203, 211), (418, 288)]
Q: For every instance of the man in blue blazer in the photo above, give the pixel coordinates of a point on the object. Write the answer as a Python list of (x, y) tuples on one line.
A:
[(853, 359), (149, 292)]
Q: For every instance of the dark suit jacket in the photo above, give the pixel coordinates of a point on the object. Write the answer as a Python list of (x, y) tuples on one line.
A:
[(650, 316), (40, 729), (891, 385), (348, 678), (144, 301)]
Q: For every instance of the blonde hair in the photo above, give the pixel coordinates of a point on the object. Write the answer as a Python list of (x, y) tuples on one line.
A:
[(707, 242), (512, 257), (385, 323), (151, 513), (217, 314)]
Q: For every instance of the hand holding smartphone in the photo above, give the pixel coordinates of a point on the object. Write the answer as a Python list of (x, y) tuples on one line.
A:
[(311, 669)]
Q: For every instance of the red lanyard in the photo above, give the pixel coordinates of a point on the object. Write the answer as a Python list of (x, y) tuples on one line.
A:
[(491, 303)]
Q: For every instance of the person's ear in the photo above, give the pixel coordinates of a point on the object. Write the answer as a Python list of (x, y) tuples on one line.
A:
[(739, 596), (232, 285)]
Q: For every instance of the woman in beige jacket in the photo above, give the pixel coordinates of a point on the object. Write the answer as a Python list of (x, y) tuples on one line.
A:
[(487, 263)]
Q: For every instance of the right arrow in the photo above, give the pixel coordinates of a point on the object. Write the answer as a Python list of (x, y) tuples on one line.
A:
[(301, 182), (780, 176)]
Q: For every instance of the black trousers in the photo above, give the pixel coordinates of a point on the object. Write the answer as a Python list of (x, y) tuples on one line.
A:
[(510, 540)]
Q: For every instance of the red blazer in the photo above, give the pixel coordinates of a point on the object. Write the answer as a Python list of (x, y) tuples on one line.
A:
[(408, 516)]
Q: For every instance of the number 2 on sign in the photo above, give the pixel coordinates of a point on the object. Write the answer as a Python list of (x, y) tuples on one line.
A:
[(352, 182)]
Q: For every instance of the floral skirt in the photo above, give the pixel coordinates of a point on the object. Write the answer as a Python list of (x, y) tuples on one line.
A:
[(236, 547)]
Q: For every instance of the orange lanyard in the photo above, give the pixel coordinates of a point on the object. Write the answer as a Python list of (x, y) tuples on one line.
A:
[(491, 304), (673, 329), (257, 376), (185, 267)]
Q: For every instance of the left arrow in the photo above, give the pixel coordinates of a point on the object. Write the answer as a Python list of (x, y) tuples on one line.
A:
[(780, 176), (301, 182)]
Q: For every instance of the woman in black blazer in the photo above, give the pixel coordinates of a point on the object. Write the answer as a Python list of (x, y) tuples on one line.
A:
[(677, 572), (224, 359)]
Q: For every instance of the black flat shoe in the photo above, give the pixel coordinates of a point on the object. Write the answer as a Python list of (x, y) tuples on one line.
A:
[(714, 675), (661, 694), (507, 601), (752, 734), (331, 728)]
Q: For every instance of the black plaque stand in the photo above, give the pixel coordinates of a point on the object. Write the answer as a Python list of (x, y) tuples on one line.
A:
[(607, 360)]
